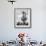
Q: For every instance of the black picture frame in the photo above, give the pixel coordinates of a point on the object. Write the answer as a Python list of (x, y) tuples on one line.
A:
[(16, 19)]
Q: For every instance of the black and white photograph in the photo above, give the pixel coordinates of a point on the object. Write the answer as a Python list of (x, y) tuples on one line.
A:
[(22, 17)]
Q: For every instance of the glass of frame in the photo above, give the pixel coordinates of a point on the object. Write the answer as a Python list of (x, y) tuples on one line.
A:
[(22, 17)]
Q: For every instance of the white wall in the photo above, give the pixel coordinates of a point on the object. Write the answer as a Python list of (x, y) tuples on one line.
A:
[(38, 30)]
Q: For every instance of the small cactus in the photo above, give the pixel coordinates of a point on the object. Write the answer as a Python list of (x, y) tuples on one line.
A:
[(24, 17)]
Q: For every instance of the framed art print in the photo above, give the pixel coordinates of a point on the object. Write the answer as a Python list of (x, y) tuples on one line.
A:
[(22, 17)]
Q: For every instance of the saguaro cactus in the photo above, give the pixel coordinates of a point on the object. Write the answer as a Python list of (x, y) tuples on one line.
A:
[(24, 17)]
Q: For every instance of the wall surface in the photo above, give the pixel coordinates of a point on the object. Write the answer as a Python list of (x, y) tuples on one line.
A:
[(38, 30)]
